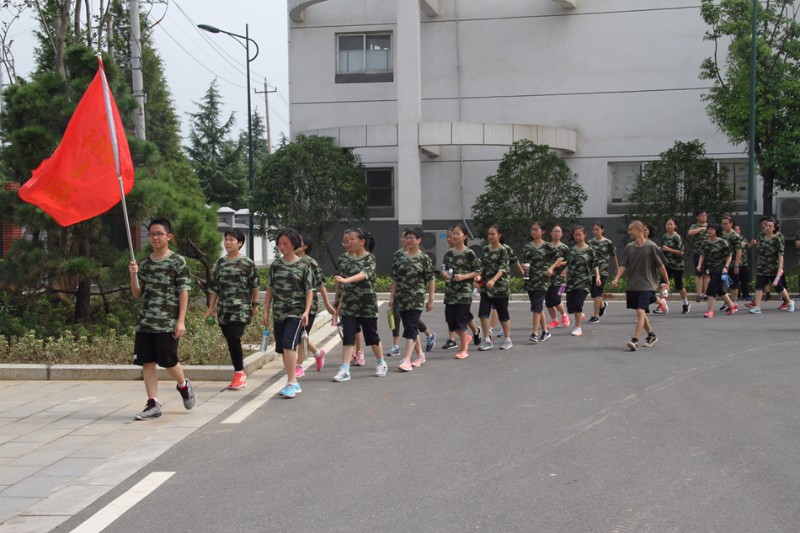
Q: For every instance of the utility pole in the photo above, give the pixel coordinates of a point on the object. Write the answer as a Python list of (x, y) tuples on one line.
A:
[(266, 92), (137, 80)]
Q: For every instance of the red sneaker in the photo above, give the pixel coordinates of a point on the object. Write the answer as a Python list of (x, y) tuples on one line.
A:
[(239, 381), (565, 320), (732, 309), (553, 324), (320, 359)]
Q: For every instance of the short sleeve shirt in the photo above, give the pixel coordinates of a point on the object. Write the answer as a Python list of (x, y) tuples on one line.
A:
[(700, 238), (411, 274), (290, 282), (538, 257), (674, 241), (233, 281), (493, 261), (580, 268), (715, 254), (641, 265), (161, 281), (463, 262), (317, 282), (604, 252), (734, 244), (769, 252), (558, 251), (359, 299)]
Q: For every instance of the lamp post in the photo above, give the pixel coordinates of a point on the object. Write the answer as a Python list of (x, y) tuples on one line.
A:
[(246, 44)]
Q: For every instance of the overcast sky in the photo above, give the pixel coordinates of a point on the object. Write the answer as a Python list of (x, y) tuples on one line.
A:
[(193, 58)]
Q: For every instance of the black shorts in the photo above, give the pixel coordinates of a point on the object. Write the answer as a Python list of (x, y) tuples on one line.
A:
[(410, 320), (696, 263), (552, 299), (310, 323), (596, 291), (287, 334), (575, 300), (160, 348), (639, 299), (677, 276), (763, 280), (715, 285), (537, 300), (498, 304), (457, 316), (351, 325)]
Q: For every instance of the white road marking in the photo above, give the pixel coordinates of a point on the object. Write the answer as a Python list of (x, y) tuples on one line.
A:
[(250, 407), (108, 514)]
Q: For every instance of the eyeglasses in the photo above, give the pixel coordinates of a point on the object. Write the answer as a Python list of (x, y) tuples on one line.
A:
[(158, 235), (410, 237)]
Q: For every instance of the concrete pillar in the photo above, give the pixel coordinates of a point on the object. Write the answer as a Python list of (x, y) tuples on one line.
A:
[(408, 70)]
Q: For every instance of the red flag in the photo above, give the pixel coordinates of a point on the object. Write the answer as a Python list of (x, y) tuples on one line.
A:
[(79, 181)]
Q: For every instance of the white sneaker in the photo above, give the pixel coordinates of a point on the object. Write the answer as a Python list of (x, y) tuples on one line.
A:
[(506, 344), (381, 369), (577, 332), (487, 344), (342, 375), (790, 307)]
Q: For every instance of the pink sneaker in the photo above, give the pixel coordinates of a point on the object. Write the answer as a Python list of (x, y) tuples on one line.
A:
[(709, 314), (404, 367), (554, 324), (358, 360), (320, 359), (732, 309), (462, 355), (418, 362), (565, 320), (299, 372)]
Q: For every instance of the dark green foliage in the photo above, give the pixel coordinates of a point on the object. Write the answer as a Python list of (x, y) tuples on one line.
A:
[(532, 184), (683, 180), (311, 185), (777, 139)]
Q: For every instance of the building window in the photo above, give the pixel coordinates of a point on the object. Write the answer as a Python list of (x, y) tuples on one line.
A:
[(738, 174), (380, 192), (623, 178), (364, 57)]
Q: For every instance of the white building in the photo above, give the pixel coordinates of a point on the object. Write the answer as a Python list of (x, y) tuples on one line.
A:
[(431, 93)]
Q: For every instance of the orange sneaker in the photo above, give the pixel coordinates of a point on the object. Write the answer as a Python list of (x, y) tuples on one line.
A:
[(462, 355), (418, 362), (239, 381)]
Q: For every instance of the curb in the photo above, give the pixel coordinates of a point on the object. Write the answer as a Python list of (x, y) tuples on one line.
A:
[(22, 372)]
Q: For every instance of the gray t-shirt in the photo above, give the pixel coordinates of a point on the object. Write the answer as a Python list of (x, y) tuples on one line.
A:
[(642, 266)]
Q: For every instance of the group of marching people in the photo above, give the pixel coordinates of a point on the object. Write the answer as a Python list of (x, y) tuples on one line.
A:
[(551, 269)]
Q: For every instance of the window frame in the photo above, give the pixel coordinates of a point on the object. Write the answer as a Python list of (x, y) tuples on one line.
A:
[(364, 75), (381, 211)]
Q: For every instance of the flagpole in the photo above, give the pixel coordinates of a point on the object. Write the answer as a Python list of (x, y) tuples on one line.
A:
[(112, 128)]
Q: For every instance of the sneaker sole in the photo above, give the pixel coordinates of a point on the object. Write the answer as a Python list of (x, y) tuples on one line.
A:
[(139, 417)]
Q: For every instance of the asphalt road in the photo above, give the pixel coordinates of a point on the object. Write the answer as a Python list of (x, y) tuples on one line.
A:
[(698, 433)]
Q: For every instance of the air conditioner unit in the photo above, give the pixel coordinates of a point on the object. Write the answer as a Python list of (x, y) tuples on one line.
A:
[(434, 243), (789, 216)]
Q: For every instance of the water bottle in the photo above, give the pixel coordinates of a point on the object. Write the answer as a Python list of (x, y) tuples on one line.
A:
[(210, 320), (526, 271), (304, 341), (726, 279), (449, 275), (665, 290), (390, 317), (777, 279), (264, 340), (562, 289), (340, 329)]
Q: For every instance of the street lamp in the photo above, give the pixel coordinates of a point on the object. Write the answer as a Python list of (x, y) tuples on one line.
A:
[(246, 44)]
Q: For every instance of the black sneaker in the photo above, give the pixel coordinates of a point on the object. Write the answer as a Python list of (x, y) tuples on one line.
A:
[(633, 345), (534, 338), (477, 337), (602, 309), (699, 298), (449, 344), (151, 410), (724, 307), (594, 319), (544, 336), (658, 311), (650, 340), (686, 308), (187, 393)]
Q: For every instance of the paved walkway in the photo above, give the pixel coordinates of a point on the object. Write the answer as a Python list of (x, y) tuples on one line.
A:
[(63, 444)]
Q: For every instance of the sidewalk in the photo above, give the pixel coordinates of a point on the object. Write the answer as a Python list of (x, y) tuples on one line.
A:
[(63, 444)]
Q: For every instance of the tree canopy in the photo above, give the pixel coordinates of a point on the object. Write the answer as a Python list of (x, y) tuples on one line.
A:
[(777, 139), (532, 184), (311, 185), (682, 181)]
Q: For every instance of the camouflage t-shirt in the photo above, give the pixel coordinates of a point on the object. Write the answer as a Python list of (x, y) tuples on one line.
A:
[(700, 238), (493, 261), (538, 259), (734, 244), (341, 266), (359, 299), (317, 282), (674, 241), (769, 252), (745, 253), (233, 281), (559, 251), (604, 252), (290, 282), (161, 281), (464, 262), (715, 254), (412, 273), (512, 260), (580, 268)]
